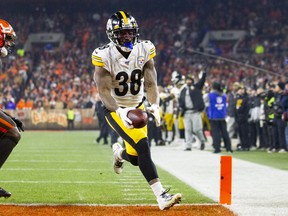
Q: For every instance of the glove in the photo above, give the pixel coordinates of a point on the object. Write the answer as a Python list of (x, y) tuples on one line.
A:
[(154, 110), (3, 52), (122, 112), (18, 123)]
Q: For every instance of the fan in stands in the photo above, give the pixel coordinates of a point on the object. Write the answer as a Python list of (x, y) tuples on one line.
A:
[(138, 117)]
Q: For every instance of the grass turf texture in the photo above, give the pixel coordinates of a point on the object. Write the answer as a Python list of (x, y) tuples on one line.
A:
[(275, 160), (70, 168)]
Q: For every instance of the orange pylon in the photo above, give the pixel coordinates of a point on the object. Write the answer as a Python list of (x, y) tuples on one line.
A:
[(226, 180)]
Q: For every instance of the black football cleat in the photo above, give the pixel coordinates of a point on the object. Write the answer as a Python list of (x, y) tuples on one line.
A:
[(4, 193)]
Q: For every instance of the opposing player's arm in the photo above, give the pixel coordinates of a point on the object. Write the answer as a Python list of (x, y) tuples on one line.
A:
[(103, 81), (150, 82)]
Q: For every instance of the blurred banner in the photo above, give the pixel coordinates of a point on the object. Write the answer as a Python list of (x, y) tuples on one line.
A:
[(44, 40), (55, 119)]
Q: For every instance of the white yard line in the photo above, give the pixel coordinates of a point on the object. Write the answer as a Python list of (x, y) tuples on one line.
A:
[(64, 182), (55, 161), (54, 169), (105, 205)]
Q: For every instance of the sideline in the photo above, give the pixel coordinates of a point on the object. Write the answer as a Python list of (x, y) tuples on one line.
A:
[(257, 190)]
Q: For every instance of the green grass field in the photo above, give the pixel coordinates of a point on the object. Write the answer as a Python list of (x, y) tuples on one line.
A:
[(275, 160), (70, 168)]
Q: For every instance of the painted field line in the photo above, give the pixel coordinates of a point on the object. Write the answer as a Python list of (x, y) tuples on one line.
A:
[(73, 152), (63, 182), (134, 194), (139, 198), (50, 169), (127, 179), (53, 161), (108, 205), (134, 189), (42, 148)]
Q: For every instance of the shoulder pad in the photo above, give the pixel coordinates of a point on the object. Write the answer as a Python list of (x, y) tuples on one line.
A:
[(149, 46), (98, 55)]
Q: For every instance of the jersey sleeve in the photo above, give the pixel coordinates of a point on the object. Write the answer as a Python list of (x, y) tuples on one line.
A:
[(97, 58), (152, 50)]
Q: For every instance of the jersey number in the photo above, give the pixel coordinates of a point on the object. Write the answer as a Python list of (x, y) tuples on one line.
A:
[(135, 83)]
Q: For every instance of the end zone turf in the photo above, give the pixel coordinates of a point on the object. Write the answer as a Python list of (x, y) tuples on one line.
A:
[(119, 210)]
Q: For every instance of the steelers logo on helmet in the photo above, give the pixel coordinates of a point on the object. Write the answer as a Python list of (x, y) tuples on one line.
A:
[(122, 30)]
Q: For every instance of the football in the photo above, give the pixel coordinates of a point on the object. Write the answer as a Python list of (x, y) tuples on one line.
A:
[(138, 117)]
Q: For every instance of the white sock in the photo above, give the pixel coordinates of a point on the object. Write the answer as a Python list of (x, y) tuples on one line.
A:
[(157, 188), (119, 155)]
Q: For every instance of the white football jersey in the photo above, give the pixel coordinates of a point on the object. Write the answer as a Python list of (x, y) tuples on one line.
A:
[(168, 106), (127, 74), (176, 92)]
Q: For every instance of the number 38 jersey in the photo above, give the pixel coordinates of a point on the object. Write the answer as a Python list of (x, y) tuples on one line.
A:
[(127, 73)]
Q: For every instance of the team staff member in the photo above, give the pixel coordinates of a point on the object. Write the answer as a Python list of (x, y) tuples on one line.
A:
[(216, 113), (10, 127), (122, 69), (241, 118), (192, 104)]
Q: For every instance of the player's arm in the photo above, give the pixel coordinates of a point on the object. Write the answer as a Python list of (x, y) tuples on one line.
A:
[(103, 81), (150, 82)]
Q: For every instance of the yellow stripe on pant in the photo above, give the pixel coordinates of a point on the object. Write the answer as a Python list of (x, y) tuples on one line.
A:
[(169, 120), (131, 136)]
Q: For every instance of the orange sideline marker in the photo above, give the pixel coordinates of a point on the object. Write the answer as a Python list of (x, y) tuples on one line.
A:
[(226, 180)]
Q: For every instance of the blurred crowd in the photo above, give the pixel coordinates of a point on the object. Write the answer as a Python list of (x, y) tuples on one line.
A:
[(51, 77)]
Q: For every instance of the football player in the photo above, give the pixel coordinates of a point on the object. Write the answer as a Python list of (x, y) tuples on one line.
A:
[(123, 68), (10, 127), (178, 81), (167, 107)]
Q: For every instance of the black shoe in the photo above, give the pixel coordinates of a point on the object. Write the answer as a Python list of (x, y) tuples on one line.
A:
[(98, 140), (187, 149), (202, 147), (4, 193), (216, 151)]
